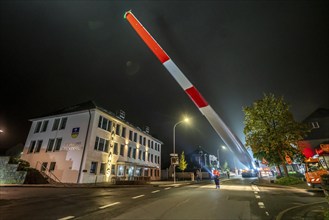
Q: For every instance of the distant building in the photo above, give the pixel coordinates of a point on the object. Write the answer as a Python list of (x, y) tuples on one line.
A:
[(318, 121), (86, 144)]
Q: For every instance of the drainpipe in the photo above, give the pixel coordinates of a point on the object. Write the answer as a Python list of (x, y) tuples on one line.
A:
[(84, 148)]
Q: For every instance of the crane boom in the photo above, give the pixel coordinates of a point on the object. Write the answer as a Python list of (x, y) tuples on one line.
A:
[(216, 122)]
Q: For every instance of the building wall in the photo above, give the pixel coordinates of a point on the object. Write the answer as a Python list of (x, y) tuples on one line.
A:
[(81, 148)]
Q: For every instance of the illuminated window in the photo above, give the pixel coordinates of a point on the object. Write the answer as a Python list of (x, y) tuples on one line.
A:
[(121, 169)]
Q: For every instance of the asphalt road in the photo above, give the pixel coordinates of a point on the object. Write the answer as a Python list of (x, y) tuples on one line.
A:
[(236, 199)]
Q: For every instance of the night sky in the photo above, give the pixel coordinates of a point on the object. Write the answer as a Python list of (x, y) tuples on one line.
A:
[(60, 53)]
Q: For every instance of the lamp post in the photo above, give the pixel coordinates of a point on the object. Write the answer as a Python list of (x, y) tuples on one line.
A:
[(174, 149)]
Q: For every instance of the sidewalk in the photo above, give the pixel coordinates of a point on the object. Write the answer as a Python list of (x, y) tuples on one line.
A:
[(269, 181), (160, 183)]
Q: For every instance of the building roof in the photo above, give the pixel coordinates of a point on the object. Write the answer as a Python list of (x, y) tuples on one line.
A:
[(88, 105)]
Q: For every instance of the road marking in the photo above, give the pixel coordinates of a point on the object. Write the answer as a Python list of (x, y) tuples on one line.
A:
[(280, 215), (167, 188), (261, 205), (136, 197), (156, 191), (257, 196), (255, 192), (66, 218), (267, 213), (108, 205)]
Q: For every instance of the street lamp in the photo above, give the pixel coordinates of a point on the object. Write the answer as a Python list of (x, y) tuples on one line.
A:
[(174, 150)]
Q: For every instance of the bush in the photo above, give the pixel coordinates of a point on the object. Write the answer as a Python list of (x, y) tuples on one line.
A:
[(291, 180)]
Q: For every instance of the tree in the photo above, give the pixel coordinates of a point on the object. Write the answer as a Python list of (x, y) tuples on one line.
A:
[(182, 163), (271, 131)]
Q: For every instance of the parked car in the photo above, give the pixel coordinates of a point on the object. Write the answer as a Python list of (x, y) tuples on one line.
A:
[(249, 173)]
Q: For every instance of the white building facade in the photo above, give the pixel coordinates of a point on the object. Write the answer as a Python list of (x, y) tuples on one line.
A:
[(87, 144)]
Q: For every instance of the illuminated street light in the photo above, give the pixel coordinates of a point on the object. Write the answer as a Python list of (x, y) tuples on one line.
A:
[(174, 150)]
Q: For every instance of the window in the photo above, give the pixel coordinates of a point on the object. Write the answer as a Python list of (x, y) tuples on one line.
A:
[(140, 154), (39, 144), (93, 167), (115, 148), (129, 152), (148, 156), (44, 126), (148, 143), (37, 127), (315, 125), (52, 166), (134, 153), (130, 135), (113, 169), (141, 139), (63, 124), (121, 169), (31, 147), (50, 145), (58, 144), (144, 155), (96, 143), (102, 168), (101, 144), (144, 141), (44, 166), (117, 129), (123, 132), (104, 123), (56, 124), (152, 158), (135, 137), (152, 144), (122, 149)]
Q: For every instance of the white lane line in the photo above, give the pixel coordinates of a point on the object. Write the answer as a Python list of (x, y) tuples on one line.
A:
[(156, 191), (136, 197), (261, 205), (255, 192), (167, 188), (66, 218), (257, 196), (267, 213), (108, 205)]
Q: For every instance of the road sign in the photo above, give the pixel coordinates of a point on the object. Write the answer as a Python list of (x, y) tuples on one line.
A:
[(174, 161), (174, 155)]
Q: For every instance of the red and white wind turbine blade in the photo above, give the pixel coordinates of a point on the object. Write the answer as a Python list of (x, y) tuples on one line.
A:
[(216, 122)]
